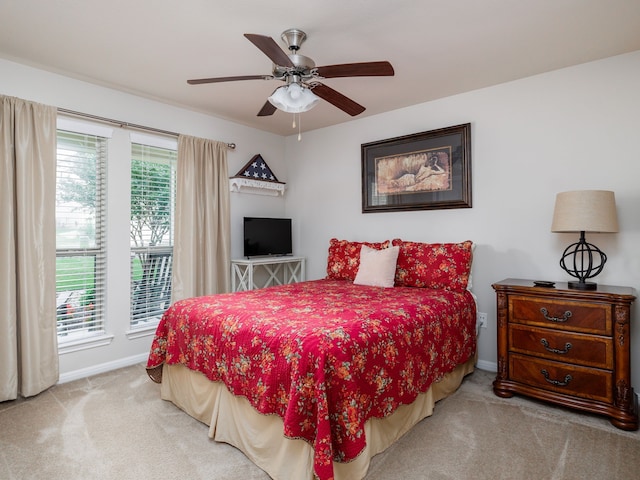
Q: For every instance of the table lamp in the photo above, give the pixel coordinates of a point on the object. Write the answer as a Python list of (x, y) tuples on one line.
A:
[(584, 211)]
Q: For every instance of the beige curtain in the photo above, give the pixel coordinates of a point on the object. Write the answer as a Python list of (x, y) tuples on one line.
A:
[(201, 252), (28, 340)]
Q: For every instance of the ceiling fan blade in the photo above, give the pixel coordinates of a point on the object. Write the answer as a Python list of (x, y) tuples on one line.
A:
[(337, 99), (267, 109), (270, 48), (364, 69), (199, 81)]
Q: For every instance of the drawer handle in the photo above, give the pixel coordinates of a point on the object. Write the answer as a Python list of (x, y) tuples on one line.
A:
[(557, 383), (545, 344), (564, 318)]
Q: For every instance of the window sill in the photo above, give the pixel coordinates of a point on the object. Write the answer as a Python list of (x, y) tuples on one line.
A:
[(70, 346), (144, 331)]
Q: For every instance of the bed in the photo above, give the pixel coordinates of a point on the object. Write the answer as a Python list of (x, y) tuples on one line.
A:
[(312, 379)]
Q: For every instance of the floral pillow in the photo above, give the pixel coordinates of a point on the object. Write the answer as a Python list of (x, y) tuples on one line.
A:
[(344, 258), (433, 265)]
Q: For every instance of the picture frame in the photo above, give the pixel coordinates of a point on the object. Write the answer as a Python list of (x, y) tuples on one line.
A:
[(422, 171)]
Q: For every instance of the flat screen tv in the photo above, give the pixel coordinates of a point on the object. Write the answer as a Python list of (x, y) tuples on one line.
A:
[(267, 236)]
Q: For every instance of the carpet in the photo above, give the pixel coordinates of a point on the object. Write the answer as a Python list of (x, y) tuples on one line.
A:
[(114, 426)]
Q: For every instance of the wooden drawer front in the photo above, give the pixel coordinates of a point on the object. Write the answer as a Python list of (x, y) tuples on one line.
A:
[(567, 379), (576, 348), (561, 314)]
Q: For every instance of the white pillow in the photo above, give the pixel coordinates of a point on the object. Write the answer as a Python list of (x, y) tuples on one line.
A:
[(377, 267)]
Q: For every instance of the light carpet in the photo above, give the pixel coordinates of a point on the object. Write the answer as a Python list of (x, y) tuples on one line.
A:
[(114, 426)]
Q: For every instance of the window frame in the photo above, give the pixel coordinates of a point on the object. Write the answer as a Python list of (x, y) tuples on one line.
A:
[(89, 321), (151, 292)]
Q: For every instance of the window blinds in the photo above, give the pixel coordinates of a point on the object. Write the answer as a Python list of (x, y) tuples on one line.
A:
[(80, 234), (153, 185)]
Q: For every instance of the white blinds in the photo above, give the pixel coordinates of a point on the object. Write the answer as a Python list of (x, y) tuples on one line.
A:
[(153, 185), (80, 234)]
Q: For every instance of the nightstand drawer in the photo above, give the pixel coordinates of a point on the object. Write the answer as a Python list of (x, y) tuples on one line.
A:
[(561, 314), (576, 348), (581, 382)]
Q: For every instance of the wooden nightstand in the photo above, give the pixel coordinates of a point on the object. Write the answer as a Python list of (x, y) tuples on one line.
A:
[(569, 347)]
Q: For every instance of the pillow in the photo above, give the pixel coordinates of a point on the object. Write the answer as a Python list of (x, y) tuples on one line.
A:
[(377, 267), (344, 258), (433, 265)]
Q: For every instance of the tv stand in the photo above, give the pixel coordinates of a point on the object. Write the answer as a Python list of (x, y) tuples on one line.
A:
[(259, 272)]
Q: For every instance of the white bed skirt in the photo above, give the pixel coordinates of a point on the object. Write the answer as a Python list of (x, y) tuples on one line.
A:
[(234, 421)]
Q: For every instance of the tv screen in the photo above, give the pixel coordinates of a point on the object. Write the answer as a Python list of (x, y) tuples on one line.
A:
[(267, 236)]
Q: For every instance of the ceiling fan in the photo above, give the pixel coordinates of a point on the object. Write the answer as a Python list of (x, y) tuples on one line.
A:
[(301, 76)]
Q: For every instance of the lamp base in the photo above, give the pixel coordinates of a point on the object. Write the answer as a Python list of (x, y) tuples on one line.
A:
[(583, 285), (581, 257)]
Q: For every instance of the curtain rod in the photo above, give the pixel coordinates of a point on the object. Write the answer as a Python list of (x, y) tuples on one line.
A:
[(230, 146)]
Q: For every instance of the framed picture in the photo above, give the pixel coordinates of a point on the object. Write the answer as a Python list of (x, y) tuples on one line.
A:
[(423, 171)]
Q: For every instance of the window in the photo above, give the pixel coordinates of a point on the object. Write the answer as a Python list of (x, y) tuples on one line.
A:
[(80, 234), (153, 185)]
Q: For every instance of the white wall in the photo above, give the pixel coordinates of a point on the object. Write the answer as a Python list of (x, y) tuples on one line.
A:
[(576, 128), (51, 89)]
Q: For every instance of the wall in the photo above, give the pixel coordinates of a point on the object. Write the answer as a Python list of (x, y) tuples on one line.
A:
[(570, 129), (51, 89)]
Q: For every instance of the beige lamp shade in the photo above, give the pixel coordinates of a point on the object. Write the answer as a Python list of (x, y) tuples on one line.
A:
[(585, 211)]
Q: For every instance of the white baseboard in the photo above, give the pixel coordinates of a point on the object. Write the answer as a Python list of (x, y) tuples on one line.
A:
[(102, 368), (488, 366), (127, 362)]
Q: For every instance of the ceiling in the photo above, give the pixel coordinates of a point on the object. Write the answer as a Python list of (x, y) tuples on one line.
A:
[(438, 48)]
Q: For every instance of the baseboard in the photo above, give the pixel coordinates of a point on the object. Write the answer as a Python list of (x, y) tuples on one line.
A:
[(102, 368), (488, 366), (128, 361)]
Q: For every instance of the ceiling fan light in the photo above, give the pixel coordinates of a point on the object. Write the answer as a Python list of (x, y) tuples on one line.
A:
[(295, 91), (293, 98)]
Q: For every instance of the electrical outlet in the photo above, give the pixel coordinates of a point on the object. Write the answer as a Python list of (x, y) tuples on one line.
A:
[(482, 319)]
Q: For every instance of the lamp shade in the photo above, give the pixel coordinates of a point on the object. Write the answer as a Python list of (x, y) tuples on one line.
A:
[(585, 211), (293, 98)]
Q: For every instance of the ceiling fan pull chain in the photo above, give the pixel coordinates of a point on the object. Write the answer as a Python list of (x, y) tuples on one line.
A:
[(299, 122)]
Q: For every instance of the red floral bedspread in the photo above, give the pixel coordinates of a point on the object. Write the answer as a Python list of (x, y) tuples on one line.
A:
[(325, 355)]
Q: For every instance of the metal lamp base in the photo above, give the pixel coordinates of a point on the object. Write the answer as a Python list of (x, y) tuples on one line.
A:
[(578, 261), (583, 285)]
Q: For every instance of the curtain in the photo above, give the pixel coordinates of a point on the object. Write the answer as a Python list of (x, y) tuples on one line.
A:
[(28, 338), (201, 252)]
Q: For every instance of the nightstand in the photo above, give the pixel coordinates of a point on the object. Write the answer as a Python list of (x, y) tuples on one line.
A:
[(568, 347)]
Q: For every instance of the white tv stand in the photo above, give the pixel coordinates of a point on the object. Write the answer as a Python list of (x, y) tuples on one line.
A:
[(270, 271)]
